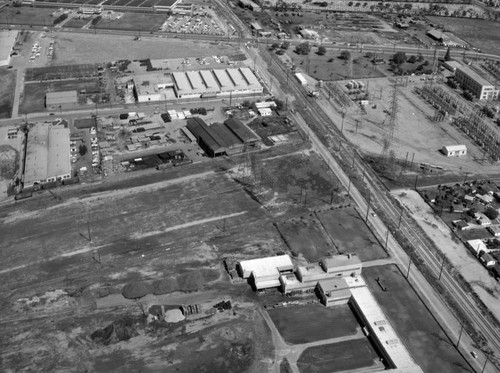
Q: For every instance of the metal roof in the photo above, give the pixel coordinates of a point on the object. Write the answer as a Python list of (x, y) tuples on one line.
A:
[(223, 79), (269, 266), (240, 130), (199, 128)]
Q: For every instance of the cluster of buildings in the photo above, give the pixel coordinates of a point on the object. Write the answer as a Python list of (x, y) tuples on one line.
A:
[(47, 155), (217, 139), (336, 280), (197, 84)]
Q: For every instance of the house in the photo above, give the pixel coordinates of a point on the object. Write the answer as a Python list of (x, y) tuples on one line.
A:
[(469, 198), (485, 198), (461, 225), (265, 112), (494, 230), (476, 246), (482, 219), (487, 260)]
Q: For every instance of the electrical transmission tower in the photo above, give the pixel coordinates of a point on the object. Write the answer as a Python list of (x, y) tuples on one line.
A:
[(389, 132), (435, 61)]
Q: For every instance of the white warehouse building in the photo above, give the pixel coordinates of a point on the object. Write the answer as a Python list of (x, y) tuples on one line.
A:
[(454, 150), (265, 272)]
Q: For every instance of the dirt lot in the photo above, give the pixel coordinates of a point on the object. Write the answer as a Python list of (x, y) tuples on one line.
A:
[(331, 67), (27, 16), (482, 34), (350, 234), (306, 236), (429, 346), (309, 323), (7, 85), (339, 357), (133, 21), (83, 48)]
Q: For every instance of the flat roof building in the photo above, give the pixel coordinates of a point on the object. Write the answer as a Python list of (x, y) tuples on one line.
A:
[(342, 265), (47, 154), (454, 150), (61, 100), (151, 86), (471, 81), (265, 272), (333, 292)]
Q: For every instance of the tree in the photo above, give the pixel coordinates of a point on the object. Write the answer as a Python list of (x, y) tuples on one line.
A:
[(285, 45), (345, 55), (275, 46), (412, 59), (399, 58), (491, 213), (303, 48), (321, 50), (82, 149), (447, 56)]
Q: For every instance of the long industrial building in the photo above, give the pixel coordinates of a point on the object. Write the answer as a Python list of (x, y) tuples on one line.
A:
[(47, 155), (216, 83), (219, 139), (265, 272)]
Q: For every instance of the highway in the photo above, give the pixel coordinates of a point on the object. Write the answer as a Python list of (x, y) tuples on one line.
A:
[(314, 116)]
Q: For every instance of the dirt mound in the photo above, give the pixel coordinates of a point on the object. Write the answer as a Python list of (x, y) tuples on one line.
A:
[(165, 286), (136, 290), (120, 330)]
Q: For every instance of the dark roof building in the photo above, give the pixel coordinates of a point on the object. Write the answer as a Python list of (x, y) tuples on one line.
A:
[(200, 130), (241, 131)]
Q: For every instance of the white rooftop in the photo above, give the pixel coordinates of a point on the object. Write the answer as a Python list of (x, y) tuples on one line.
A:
[(453, 148), (385, 333), (267, 266)]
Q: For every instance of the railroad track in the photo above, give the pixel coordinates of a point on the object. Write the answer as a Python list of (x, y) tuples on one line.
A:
[(378, 195)]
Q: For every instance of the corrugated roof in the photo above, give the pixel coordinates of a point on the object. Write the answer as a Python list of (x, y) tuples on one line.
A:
[(224, 136), (240, 130), (237, 79), (223, 79), (199, 128)]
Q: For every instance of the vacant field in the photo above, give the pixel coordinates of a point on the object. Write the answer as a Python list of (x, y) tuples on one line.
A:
[(429, 346), (133, 21), (61, 72), (84, 48), (76, 22), (307, 237), (315, 322), (304, 180), (7, 85), (27, 16), (338, 357), (350, 233), (332, 67), (94, 239), (33, 97), (482, 34)]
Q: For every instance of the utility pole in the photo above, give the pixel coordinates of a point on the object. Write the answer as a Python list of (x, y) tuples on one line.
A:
[(460, 334), (409, 266), (416, 179), (342, 126), (442, 266)]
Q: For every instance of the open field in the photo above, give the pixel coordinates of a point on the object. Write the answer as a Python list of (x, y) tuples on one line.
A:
[(133, 21), (338, 357), (302, 179), (27, 16), (427, 343), (81, 48), (350, 234), (86, 245), (482, 34), (331, 67), (313, 322), (307, 237), (7, 85)]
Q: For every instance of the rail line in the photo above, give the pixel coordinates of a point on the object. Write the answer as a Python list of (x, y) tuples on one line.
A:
[(378, 191)]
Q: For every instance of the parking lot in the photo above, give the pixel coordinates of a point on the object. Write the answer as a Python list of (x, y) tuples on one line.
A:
[(203, 24)]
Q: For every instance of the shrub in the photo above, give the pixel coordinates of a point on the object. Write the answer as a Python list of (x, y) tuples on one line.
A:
[(491, 213), (136, 290)]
